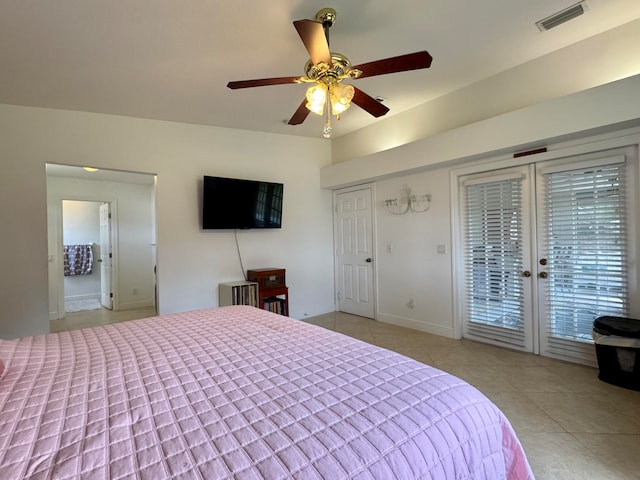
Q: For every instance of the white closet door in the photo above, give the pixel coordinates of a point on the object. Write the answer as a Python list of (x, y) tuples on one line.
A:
[(354, 252)]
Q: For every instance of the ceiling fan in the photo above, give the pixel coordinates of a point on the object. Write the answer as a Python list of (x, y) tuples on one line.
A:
[(326, 70)]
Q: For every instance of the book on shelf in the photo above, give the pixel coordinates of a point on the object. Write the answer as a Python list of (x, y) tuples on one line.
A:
[(239, 293), (274, 304), (250, 295)]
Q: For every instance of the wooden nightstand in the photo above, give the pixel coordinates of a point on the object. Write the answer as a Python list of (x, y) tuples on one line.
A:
[(273, 293)]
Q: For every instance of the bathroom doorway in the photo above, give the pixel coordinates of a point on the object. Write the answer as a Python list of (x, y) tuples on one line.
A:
[(87, 255)]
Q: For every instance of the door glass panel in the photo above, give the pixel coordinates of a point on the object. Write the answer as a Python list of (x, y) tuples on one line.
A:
[(494, 245), (585, 238)]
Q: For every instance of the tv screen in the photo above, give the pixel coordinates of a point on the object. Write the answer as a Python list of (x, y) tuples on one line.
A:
[(229, 203)]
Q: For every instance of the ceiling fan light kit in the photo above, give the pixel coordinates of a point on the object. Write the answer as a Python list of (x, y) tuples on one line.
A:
[(327, 70), (340, 96)]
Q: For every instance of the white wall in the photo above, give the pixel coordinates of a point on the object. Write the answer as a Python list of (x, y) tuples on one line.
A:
[(605, 108), (414, 270), (416, 283), (191, 262), (414, 280)]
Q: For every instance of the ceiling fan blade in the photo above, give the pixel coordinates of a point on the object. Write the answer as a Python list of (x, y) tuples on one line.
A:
[(300, 115), (262, 82), (368, 103), (314, 39), (402, 63)]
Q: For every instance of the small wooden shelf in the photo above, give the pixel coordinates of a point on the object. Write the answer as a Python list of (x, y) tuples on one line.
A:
[(275, 300), (238, 293), (273, 293)]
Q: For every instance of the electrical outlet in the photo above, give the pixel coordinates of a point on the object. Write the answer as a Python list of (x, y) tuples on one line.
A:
[(442, 249), (410, 304), (134, 291), (389, 248)]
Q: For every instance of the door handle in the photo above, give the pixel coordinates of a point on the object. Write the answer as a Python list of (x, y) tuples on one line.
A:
[(369, 260)]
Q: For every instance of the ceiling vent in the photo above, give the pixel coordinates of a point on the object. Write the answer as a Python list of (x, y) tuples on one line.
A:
[(562, 16)]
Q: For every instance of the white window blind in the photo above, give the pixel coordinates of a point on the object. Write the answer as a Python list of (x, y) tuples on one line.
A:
[(585, 235), (494, 261)]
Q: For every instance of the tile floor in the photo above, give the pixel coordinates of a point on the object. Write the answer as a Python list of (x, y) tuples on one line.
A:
[(93, 318), (572, 425)]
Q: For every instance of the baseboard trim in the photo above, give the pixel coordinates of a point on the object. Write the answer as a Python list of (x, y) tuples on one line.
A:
[(135, 305), (416, 325)]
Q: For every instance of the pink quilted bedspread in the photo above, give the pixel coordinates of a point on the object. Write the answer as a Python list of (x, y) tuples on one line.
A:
[(239, 393)]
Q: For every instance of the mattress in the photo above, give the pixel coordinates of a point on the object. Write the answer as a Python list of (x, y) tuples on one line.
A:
[(238, 392)]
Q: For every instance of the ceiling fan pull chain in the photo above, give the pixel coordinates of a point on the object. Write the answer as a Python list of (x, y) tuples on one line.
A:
[(326, 131)]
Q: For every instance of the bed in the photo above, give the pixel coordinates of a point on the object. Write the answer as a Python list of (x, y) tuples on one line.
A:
[(238, 392)]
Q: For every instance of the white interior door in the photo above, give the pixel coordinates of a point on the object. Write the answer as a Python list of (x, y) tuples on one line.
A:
[(106, 255), (354, 252)]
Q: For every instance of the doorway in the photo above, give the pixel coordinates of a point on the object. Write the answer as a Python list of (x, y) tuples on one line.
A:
[(87, 246), (354, 251), (545, 252), (128, 201)]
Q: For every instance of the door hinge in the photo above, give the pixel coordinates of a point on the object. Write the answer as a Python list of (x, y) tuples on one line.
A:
[(109, 215), (111, 295), (110, 255)]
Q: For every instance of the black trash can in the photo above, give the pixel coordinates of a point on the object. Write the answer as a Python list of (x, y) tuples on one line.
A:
[(617, 341)]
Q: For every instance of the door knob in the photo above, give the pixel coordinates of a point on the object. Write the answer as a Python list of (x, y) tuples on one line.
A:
[(369, 260), (526, 273), (543, 261), (543, 274)]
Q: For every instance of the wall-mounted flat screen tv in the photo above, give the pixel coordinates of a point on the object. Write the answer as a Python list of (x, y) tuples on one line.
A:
[(230, 203)]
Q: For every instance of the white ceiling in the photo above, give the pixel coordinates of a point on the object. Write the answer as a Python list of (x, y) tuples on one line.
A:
[(171, 60)]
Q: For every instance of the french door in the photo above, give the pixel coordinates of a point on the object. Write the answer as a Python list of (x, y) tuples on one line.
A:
[(584, 240), (545, 253), (497, 258)]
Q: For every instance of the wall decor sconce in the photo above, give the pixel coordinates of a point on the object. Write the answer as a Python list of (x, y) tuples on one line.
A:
[(406, 201)]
